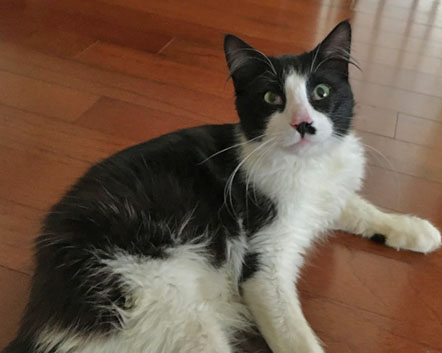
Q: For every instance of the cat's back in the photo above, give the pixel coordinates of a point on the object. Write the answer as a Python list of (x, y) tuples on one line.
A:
[(138, 202), (163, 176)]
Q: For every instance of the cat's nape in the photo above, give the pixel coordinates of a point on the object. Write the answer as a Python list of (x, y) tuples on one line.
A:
[(179, 243)]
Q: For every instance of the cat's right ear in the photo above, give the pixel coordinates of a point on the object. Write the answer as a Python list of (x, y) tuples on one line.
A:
[(242, 59)]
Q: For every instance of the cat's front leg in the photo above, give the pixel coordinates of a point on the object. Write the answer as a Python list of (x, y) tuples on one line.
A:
[(398, 231), (271, 296)]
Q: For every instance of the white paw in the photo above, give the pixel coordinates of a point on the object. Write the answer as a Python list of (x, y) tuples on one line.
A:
[(412, 233)]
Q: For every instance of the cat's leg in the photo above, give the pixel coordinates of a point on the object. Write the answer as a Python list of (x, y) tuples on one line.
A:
[(396, 230), (271, 296), (175, 312), (192, 334), (173, 309)]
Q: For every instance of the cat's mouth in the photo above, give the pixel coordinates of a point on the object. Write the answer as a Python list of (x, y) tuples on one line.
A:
[(304, 138), (305, 128), (303, 133)]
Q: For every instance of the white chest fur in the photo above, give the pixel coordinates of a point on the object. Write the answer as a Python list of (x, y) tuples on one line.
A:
[(309, 193)]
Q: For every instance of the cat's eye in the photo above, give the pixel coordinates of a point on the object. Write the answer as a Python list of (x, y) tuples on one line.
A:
[(272, 98), (321, 91)]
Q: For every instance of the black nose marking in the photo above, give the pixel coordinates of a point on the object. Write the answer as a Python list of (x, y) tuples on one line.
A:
[(304, 128)]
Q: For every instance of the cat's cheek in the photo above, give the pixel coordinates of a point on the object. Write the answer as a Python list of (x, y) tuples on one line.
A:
[(324, 128), (279, 127)]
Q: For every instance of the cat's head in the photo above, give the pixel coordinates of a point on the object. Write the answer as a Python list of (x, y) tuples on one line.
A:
[(303, 103)]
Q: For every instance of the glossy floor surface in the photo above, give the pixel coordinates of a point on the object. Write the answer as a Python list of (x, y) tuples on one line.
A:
[(81, 79)]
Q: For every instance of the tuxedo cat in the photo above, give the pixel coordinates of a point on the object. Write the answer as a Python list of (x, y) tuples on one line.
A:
[(177, 244)]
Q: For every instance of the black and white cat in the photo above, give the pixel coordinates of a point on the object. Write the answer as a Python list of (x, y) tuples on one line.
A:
[(176, 244)]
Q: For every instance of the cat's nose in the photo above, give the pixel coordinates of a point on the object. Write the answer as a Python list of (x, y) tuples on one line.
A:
[(299, 118), (304, 128)]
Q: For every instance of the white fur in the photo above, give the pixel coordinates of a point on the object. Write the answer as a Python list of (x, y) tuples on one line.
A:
[(298, 105), (182, 304), (310, 194), (401, 231)]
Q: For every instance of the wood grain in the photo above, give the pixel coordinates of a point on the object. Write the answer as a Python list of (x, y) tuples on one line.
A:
[(81, 79), (12, 301), (138, 122), (44, 98)]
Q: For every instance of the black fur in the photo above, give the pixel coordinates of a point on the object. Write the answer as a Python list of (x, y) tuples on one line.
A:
[(254, 74), (136, 201), (251, 265), (131, 203), (378, 238)]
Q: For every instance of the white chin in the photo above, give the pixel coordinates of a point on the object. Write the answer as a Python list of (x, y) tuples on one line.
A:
[(291, 139), (307, 146)]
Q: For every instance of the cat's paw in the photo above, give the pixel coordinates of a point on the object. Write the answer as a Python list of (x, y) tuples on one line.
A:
[(410, 233)]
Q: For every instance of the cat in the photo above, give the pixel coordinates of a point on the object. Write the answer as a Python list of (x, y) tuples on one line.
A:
[(179, 243)]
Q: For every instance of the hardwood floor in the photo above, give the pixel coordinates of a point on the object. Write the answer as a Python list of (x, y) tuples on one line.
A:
[(81, 79)]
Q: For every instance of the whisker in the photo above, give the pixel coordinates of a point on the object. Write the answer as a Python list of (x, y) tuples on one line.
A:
[(264, 59), (229, 148), (229, 183), (390, 167), (252, 168), (314, 58), (344, 55)]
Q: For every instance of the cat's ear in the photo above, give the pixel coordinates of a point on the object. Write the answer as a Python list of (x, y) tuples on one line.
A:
[(334, 51), (242, 59)]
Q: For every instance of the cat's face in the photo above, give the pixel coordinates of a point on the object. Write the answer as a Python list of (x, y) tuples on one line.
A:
[(302, 103)]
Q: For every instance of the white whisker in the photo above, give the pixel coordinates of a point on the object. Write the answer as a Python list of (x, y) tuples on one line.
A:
[(266, 60), (390, 167), (229, 183), (314, 58), (229, 148)]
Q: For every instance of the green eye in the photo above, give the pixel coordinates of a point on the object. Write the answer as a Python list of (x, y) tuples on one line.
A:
[(272, 98), (321, 91)]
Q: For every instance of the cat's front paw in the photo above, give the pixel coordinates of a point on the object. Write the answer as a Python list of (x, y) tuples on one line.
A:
[(411, 233)]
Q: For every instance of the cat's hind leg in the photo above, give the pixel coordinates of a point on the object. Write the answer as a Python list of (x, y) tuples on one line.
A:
[(395, 230), (193, 333), (173, 309)]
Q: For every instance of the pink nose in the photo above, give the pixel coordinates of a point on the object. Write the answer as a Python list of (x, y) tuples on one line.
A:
[(302, 118)]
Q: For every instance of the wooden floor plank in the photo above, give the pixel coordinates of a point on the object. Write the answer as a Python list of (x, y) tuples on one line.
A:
[(134, 63), (12, 301), (58, 21), (374, 119), (396, 58), (36, 179), (44, 98), (419, 131), (427, 14), (366, 288), (407, 102), (404, 193), (152, 94), (423, 47), (17, 258), (33, 133), (395, 76), (81, 79), (403, 157), (136, 122), (19, 224)]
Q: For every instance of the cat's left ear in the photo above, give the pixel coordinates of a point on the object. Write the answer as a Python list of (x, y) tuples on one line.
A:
[(243, 60), (334, 51)]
